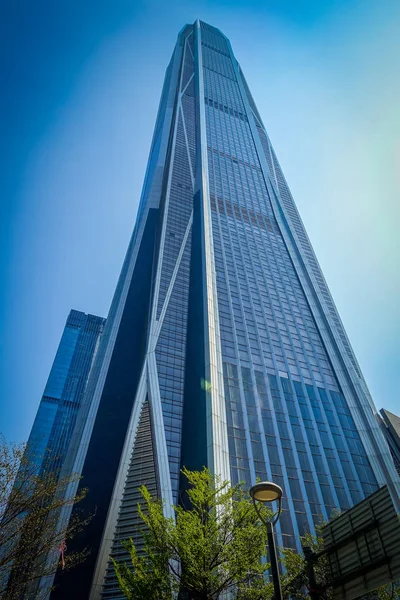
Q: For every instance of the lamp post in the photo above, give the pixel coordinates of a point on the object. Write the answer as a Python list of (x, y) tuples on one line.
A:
[(266, 491)]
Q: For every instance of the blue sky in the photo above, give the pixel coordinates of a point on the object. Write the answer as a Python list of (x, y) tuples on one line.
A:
[(81, 84)]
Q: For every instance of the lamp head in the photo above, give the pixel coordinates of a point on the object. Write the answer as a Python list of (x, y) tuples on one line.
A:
[(266, 491)]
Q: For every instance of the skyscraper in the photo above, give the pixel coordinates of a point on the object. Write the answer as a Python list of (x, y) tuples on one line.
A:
[(61, 400), (390, 425), (223, 346), (58, 409)]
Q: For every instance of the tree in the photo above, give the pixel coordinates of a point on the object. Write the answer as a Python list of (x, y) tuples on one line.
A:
[(215, 544), (32, 542)]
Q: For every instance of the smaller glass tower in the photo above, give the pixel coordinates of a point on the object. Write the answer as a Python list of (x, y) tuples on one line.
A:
[(56, 417), (59, 406)]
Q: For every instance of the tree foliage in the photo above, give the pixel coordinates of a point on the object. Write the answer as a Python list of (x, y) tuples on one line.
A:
[(31, 502), (216, 544)]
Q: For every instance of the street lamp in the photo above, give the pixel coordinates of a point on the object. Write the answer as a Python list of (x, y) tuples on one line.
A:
[(266, 491)]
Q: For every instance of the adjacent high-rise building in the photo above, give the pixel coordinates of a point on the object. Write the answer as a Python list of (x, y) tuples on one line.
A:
[(223, 346), (59, 406), (58, 409), (390, 425)]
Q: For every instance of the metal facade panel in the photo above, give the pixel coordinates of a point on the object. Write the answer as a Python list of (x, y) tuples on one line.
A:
[(363, 546)]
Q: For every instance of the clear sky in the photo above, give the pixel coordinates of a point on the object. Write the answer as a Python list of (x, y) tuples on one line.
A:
[(81, 82)]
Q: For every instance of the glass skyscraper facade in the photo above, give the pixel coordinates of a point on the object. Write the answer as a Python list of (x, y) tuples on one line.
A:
[(56, 416), (223, 346), (62, 399)]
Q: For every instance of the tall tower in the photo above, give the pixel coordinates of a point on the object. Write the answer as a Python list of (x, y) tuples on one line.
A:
[(58, 409), (390, 425), (55, 420), (223, 346)]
